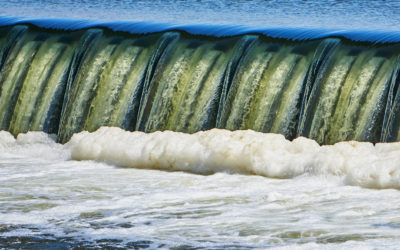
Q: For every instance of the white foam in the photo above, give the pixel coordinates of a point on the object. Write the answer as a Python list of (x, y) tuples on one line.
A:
[(93, 201), (246, 152), (6, 139), (33, 145)]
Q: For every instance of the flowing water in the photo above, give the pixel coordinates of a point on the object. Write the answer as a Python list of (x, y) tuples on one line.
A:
[(199, 124)]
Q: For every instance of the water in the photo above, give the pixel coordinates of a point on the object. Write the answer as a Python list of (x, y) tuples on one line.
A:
[(329, 90), (46, 198), (215, 189), (362, 14)]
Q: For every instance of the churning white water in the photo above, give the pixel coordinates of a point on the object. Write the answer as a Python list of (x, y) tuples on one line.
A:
[(254, 190)]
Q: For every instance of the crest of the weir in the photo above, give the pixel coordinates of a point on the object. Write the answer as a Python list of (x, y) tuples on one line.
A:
[(328, 89)]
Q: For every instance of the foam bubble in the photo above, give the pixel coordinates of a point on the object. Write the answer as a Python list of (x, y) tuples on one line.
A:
[(6, 139), (245, 152), (36, 144)]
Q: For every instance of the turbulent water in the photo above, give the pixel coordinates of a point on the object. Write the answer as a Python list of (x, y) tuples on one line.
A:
[(319, 199), (324, 70)]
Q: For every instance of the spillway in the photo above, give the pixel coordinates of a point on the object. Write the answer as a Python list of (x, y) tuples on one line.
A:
[(225, 124), (329, 89)]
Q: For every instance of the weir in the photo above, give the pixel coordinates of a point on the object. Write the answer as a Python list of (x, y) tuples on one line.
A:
[(328, 89)]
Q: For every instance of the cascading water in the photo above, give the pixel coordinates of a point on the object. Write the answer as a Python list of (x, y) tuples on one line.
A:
[(328, 89)]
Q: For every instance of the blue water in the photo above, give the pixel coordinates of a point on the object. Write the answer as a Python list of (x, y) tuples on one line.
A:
[(365, 14), (375, 21)]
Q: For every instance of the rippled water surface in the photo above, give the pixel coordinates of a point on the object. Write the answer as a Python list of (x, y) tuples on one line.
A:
[(361, 14)]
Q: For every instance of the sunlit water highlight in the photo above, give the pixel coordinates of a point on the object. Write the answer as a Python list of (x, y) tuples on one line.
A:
[(47, 199)]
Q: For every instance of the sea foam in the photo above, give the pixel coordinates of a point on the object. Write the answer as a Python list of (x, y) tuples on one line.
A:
[(244, 152)]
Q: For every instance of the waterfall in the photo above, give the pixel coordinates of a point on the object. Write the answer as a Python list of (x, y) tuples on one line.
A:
[(328, 89)]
